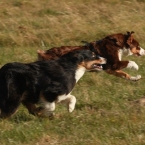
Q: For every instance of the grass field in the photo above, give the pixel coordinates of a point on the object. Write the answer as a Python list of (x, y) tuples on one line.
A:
[(105, 112)]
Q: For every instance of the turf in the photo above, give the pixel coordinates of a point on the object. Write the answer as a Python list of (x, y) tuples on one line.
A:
[(105, 112)]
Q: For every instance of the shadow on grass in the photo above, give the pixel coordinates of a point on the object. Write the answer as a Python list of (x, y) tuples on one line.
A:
[(86, 106), (21, 117), (94, 106)]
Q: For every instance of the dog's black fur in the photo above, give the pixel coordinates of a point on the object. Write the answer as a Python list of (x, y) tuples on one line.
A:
[(27, 83)]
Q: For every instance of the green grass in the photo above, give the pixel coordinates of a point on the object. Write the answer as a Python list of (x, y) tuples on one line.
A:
[(105, 113)]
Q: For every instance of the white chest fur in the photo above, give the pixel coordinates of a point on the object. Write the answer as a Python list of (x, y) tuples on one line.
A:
[(79, 73), (124, 51), (120, 52)]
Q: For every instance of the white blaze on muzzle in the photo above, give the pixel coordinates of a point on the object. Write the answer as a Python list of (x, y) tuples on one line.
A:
[(104, 60)]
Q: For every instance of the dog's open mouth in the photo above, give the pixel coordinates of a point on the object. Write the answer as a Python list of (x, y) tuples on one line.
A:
[(96, 66)]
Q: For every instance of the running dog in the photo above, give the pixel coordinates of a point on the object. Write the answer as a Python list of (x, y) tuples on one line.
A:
[(44, 82), (112, 47)]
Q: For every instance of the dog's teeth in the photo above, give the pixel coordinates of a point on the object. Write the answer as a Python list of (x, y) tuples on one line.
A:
[(94, 65)]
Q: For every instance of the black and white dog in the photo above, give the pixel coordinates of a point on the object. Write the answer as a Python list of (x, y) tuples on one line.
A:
[(44, 82)]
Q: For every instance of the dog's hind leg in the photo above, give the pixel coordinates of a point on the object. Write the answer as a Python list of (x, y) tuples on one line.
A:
[(46, 110), (9, 102), (9, 108), (10, 99), (120, 73)]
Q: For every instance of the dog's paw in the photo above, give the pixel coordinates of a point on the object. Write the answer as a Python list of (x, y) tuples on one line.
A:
[(71, 109), (72, 102), (138, 77), (132, 65), (44, 112)]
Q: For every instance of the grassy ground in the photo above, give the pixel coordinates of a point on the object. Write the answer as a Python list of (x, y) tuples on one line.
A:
[(105, 113)]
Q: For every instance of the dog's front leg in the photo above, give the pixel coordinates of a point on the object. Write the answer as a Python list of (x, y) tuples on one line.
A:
[(46, 109), (120, 73), (132, 65), (124, 64), (31, 107), (70, 101)]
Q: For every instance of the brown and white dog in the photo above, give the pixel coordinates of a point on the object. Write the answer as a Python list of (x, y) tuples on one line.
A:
[(112, 47)]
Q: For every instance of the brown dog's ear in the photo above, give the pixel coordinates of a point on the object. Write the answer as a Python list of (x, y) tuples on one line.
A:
[(129, 33), (130, 37)]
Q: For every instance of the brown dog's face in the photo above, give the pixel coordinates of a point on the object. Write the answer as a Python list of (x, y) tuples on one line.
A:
[(134, 45), (136, 49)]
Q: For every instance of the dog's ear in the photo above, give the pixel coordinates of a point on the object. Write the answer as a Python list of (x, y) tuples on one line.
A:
[(130, 33), (77, 57), (130, 37), (82, 55)]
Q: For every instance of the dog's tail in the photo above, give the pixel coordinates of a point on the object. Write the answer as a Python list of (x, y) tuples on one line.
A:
[(41, 54), (40, 51)]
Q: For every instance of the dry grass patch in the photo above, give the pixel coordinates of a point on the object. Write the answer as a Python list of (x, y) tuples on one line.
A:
[(104, 113)]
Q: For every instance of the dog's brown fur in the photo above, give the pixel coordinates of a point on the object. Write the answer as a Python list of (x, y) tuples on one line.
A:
[(56, 52), (111, 47)]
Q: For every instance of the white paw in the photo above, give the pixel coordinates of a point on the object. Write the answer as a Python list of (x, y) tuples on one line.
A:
[(71, 108), (72, 102), (138, 77), (132, 65)]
